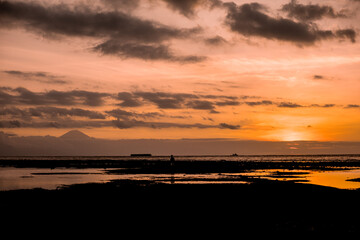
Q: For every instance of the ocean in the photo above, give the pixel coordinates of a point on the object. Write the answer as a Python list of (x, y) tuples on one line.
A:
[(340, 157)]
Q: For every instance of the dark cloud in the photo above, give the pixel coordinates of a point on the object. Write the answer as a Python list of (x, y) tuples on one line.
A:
[(81, 21), (163, 101), (124, 124), (328, 105), (10, 124), (125, 35), (59, 112), (49, 112), (249, 97), (46, 104), (201, 105), (13, 112), (128, 100), (61, 123), (310, 12), (120, 114), (42, 77), (188, 7), (259, 103), (323, 106), (318, 77), (185, 7), (76, 97), (250, 20), (228, 103), (28, 97), (213, 111), (209, 96), (346, 34), (143, 51), (166, 100), (352, 106), (215, 41), (182, 100), (289, 105), (6, 98), (122, 4), (229, 126)]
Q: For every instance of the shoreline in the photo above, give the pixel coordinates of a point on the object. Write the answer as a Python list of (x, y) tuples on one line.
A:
[(186, 165), (260, 206), (191, 172)]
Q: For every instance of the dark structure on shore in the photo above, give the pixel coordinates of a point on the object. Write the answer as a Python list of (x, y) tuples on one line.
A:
[(140, 155)]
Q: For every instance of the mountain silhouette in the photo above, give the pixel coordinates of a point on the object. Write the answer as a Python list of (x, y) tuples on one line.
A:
[(76, 143), (75, 135)]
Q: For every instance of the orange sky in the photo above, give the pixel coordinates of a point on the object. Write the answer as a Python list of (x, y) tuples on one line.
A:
[(272, 70)]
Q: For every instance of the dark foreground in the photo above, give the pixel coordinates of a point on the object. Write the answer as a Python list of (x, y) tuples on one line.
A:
[(147, 208)]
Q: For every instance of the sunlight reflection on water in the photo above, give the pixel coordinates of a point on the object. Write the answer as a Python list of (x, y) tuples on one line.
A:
[(28, 178), (335, 178)]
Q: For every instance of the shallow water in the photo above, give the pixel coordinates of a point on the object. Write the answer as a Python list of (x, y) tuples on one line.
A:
[(29, 178), (335, 178)]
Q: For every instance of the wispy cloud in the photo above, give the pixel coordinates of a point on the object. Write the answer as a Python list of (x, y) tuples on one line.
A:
[(289, 105), (43, 77), (161, 100), (11, 96), (352, 106), (50, 112)]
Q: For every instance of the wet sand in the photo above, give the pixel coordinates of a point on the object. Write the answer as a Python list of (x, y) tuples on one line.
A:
[(262, 206), (354, 180)]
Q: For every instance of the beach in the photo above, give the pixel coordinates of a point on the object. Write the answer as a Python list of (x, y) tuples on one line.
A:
[(251, 195)]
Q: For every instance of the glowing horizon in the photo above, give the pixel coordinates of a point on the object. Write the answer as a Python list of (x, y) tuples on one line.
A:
[(267, 71)]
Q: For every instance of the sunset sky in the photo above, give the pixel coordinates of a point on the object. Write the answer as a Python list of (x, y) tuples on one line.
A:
[(117, 69)]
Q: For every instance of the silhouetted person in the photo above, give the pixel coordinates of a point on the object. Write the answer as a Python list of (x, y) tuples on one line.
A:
[(172, 160)]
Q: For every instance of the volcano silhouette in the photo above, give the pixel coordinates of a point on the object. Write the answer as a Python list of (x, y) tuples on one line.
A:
[(75, 135)]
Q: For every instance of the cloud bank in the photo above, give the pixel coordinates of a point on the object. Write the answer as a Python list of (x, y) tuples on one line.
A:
[(122, 34), (252, 20), (22, 108), (310, 12)]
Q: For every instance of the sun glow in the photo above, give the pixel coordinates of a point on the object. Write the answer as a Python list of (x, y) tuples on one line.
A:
[(290, 135)]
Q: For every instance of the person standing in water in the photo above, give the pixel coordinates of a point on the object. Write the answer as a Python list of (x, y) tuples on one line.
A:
[(172, 160)]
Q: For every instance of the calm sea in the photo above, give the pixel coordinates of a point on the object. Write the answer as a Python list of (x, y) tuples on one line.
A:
[(200, 158)]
